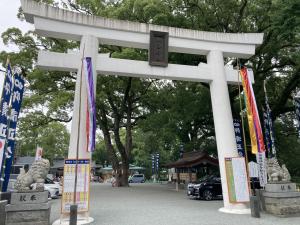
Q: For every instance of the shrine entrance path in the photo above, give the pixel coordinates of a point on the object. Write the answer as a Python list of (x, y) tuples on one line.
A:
[(160, 204)]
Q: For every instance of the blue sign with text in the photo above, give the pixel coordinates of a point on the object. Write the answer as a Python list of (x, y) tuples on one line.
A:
[(4, 109), (16, 101), (238, 137)]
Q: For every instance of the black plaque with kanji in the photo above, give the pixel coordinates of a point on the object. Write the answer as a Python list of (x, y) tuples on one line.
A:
[(158, 49)]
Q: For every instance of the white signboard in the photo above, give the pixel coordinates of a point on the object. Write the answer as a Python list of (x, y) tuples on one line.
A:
[(262, 168), (253, 169), (238, 188), (82, 187)]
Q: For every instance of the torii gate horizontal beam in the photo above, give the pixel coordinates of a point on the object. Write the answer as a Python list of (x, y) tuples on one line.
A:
[(59, 23), (123, 67)]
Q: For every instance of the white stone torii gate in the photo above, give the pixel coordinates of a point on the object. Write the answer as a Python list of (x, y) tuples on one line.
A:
[(92, 31)]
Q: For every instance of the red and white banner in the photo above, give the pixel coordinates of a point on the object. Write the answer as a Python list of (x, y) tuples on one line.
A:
[(2, 145)]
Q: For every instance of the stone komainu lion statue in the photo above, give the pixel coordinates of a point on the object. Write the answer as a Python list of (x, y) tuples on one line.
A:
[(277, 173), (36, 174)]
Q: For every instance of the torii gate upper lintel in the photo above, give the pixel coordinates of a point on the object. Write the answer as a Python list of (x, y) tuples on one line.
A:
[(91, 31)]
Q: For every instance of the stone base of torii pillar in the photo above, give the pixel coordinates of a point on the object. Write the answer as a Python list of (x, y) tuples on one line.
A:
[(82, 218), (87, 220), (235, 210)]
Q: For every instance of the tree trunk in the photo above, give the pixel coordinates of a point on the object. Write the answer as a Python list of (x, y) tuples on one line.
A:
[(108, 144), (124, 111), (125, 174)]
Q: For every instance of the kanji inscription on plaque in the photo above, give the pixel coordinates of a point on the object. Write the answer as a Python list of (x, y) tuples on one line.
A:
[(158, 50)]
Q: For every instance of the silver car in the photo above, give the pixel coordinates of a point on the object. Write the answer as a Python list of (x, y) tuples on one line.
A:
[(52, 188), (137, 178)]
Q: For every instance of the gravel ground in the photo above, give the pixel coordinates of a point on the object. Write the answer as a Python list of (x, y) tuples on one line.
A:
[(160, 204)]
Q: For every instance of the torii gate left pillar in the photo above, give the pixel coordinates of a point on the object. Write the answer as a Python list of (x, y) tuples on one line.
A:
[(89, 46)]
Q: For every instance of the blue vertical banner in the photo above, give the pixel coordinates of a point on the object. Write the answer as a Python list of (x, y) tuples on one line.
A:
[(268, 125), (157, 162), (238, 137), (267, 134), (181, 151), (16, 101), (297, 105), (4, 109), (153, 163)]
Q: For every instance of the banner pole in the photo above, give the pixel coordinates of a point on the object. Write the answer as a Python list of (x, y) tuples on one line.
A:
[(74, 207), (297, 108), (243, 128), (78, 130)]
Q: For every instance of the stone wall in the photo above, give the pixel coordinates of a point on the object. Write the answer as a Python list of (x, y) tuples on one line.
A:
[(282, 199), (3, 203), (28, 208)]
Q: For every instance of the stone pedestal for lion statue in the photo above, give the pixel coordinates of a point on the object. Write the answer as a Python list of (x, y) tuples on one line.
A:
[(28, 207), (280, 195)]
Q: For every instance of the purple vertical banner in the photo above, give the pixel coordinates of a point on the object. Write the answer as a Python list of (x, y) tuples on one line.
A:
[(6, 93), (16, 101), (297, 105), (238, 137), (91, 108)]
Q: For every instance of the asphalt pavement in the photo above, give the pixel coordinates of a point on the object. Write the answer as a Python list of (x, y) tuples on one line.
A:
[(160, 204)]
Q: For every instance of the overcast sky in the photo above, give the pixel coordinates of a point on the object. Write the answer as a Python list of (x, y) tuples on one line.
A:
[(8, 18)]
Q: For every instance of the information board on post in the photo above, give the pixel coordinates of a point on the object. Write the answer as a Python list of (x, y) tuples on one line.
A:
[(237, 181), (82, 187)]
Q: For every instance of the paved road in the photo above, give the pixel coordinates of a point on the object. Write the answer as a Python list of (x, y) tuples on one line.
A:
[(157, 204)]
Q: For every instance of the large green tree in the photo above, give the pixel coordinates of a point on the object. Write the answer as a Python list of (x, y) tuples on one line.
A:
[(53, 137)]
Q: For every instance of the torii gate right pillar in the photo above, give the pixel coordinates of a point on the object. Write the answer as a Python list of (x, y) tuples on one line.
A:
[(223, 122)]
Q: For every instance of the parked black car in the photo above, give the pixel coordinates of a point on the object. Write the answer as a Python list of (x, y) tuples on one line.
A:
[(209, 188)]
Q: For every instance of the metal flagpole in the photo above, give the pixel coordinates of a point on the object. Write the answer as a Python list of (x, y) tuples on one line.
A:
[(297, 108), (74, 207), (243, 128)]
